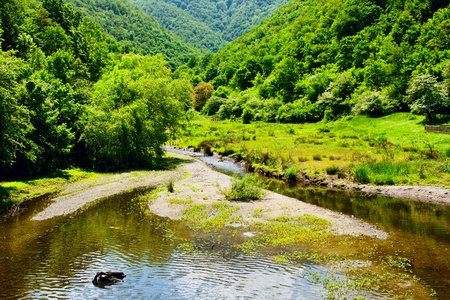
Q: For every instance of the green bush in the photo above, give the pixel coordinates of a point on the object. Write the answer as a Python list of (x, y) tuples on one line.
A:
[(291, 174), (213, 105), (333, 170), (247, 115), (447, 152), (244, 190), (362, 174)]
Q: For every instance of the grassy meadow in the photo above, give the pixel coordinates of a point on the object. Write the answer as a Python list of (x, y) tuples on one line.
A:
[(390, 150)]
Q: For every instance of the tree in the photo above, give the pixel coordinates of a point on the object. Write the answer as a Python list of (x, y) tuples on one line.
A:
[(135, 108), (427, 96), (201, 94), (14, 118)]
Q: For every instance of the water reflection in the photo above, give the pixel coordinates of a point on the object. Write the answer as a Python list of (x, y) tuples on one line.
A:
[(59, 259)]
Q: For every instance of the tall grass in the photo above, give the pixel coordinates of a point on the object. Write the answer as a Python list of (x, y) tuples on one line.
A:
[(383, 173)]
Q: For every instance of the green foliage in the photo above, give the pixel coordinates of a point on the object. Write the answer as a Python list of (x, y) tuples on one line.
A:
[(299, 111), (345, 57), (209, 24), (136, 31), (14, 118), (136, 107), (247, 115), (291, 174), (170, 188), (244, 189), (427, 96), (361, 174)]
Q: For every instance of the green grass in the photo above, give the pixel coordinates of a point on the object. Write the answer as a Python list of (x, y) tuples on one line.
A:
[(15, 192), (344, 144)]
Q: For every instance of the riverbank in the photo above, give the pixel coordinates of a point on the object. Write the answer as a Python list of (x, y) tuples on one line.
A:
[(392, 156), (428, 194), (204, 186), (78, 194), (200, 185)]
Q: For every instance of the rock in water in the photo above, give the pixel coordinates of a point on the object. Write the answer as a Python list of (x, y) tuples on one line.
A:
[(108, 277)]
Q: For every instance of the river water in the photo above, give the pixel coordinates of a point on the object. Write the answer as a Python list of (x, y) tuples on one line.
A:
[(58, 258), (418, 231)]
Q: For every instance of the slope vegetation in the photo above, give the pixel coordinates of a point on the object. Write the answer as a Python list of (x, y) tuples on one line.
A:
[(327, 59), (136, 30), (209, 24)]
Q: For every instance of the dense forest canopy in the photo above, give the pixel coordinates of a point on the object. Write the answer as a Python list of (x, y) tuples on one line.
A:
[(136, 31), (69, 97), (319, 59), (209, 24)]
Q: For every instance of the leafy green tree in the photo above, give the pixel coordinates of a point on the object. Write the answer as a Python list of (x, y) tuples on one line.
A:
[(14, 118), (136, 108), (427, 96)]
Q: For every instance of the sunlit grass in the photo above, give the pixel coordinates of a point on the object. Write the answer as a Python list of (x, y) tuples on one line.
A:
[(15, 192), (398, 139)]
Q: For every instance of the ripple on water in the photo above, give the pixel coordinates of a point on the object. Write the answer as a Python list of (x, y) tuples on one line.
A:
[(199, 276)]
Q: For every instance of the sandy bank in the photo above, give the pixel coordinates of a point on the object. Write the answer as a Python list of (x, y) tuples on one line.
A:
[(76, 195), (204, 185)]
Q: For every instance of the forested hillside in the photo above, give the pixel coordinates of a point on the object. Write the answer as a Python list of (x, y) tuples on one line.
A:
[(319, 59), (135, 30), (68, 97), (209, 24)]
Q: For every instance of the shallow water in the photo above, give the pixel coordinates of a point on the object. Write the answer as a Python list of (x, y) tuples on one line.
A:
[(58, 258), (225, 166), (418, 231)]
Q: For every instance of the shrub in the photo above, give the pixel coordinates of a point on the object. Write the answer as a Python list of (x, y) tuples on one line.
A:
[(213, 105), (247, 116), (302, 159), (206, 146), (299, 111), (362, 174), (317, 157), (333, 170), (222, 92), (244, 190), (201, 93), (291, 174), (270, 110), (428, 97), (369, 103)]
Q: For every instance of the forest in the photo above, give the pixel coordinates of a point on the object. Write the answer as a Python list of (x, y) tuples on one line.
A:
[(136, 31), (80, 93), (71, 95), (209, 24), (323, 60)]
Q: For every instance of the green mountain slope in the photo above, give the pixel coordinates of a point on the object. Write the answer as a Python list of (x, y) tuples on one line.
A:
[(132, 27), (209, 24), (335, 58)]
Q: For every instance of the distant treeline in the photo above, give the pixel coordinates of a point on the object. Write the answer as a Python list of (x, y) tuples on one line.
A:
[(209, 24)]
